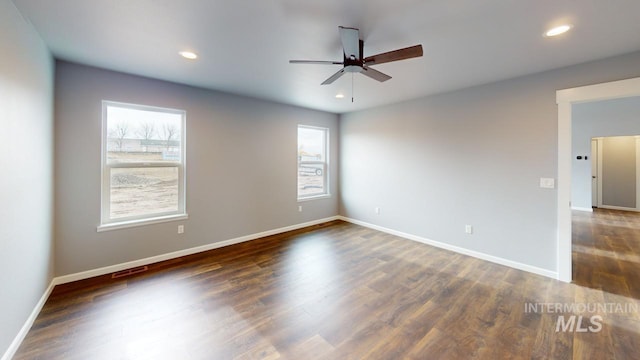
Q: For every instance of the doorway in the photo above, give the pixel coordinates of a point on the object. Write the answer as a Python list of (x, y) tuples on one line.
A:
[(605, 220), (566, 99), (615, 172)]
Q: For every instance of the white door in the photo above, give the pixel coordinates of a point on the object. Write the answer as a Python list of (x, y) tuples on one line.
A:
[(594, 173)]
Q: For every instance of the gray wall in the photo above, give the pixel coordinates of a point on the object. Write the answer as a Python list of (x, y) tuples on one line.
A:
[(619, 171), (26, 185), (473, 156), (598, 119), (241, 168)]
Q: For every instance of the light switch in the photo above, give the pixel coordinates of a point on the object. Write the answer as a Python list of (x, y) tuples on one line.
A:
[(547, 183)]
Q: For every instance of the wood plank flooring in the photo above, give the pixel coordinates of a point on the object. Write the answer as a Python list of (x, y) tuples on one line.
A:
[(606, 251), (336, 291)]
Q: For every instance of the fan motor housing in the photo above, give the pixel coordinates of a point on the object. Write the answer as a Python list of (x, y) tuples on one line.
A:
[(357, 63)]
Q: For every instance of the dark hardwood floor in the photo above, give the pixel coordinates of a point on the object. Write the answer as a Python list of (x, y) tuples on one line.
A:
[(336, 291), (606, 251)]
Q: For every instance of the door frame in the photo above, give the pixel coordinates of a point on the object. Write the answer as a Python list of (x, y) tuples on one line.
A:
[(565, 99), (596, 189)]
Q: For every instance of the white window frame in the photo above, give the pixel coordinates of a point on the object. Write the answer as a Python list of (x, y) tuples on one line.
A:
[(106, 223), (325, 166)]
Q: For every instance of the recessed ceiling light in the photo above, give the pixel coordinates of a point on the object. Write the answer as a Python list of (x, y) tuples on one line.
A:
[(558, 30), (188, 55), (339, 96)]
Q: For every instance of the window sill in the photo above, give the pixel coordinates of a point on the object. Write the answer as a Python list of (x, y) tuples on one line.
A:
[(136, 223), (316, 197)]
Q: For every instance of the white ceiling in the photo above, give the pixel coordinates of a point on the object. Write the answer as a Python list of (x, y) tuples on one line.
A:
[(245, 45)]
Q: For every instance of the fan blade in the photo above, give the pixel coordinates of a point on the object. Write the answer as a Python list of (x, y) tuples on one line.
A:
[(395, 55), (333, 77), (350, 38), (375, 74), (316, 62)]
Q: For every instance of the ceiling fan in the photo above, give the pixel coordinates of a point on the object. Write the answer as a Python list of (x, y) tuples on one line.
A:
[(354, 62)]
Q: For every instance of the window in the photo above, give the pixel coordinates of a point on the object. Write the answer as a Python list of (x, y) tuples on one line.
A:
[(142, 164), (312, 162)]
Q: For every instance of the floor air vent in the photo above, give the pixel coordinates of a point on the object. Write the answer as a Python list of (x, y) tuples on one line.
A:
[(128, 272)]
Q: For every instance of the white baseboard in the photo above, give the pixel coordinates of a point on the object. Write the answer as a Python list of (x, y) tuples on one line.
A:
[(15, 344), (611, 207), (460, 250), (578, 208), (172, 255)]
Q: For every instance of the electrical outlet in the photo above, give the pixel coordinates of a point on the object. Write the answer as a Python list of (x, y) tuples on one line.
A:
[(180, 229), (468, 229), (377, 210), (300, 208)]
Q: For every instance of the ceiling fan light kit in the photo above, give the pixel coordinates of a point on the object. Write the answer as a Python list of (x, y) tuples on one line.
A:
[(354, 62)]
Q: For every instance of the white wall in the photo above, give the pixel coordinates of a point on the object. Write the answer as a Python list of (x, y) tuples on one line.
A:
[(597, 119), (26, 186), (241, 168), (473, 157)]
